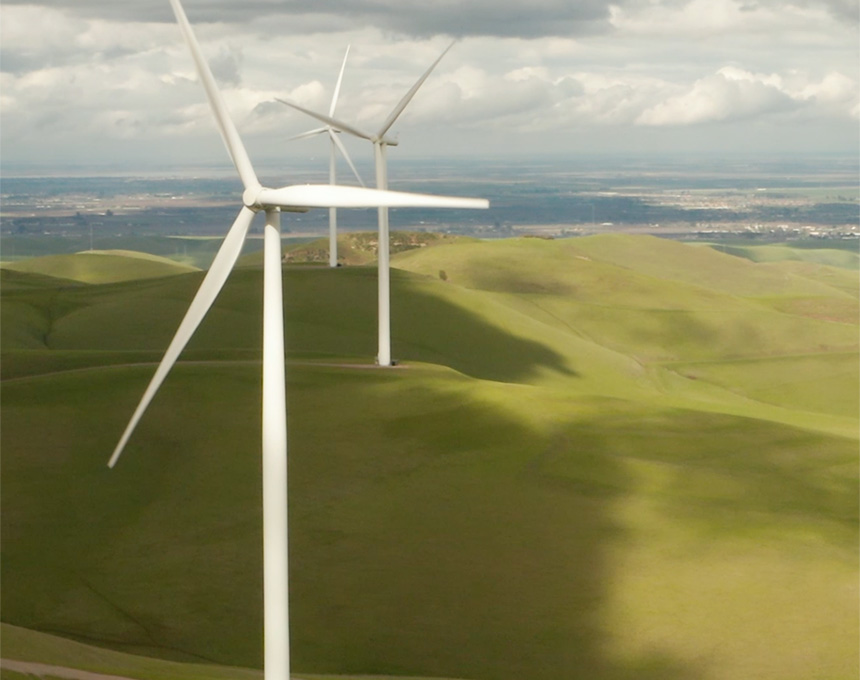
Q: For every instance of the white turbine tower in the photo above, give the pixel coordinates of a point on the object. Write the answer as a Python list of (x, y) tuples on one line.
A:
[(380, 145), (336, 145), (257, 198)]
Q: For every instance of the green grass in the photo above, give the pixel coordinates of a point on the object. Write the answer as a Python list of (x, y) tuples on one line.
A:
[(25, 645), (101, 266), (589, 467), (195, 251), (824, 384), (21, 644), (846, 259), (355, 248)]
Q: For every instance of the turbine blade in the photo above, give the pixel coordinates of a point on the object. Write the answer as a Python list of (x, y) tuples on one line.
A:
[(339, 196), (310, 133), (339, 144), (219, 109), (328, 120), (339, 81), (206, 294), (386, 126)]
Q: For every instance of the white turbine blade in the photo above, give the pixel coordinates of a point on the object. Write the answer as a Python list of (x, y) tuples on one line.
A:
[(328, 120), (310, 133), (339, 81), (339, 144), (338, 196), (386, 126), (219, 109), (206, 294)]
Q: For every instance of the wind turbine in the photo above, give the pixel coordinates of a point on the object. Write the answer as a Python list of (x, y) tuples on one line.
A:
[(257, 198), (380, 146), (336, 145)]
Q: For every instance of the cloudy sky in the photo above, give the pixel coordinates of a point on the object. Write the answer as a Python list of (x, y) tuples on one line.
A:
[(110, 82)]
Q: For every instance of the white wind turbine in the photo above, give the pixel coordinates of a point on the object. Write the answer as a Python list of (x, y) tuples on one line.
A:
[(257, 198), (336, 145), (380, 145)]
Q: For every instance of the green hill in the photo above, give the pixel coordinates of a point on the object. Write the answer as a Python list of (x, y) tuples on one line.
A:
[(584, 466), (101, 266), (197, 251), (354, 248), (847, 259), (610, 292), (60, 655)]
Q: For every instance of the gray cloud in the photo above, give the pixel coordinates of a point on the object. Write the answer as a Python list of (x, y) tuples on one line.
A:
[(505, 18), (15, 61), (417, 18), (459, 18), (846, 10), (225, 67)]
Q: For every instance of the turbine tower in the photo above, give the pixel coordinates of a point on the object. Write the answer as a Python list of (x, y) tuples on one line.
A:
[(336, 145), (380, 146), (257, 198)]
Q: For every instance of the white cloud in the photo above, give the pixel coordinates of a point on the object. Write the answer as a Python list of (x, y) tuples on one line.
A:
[(706, 18), (77, 83), (836, 93), (735, 94)]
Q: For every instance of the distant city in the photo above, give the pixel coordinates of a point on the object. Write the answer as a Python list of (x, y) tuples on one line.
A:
[(810, 198)]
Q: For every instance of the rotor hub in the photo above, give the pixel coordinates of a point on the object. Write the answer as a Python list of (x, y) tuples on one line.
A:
[(251, 198)]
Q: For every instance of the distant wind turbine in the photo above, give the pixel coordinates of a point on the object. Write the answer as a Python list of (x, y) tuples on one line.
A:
[(380, 145), (257, 198), (336, 145)]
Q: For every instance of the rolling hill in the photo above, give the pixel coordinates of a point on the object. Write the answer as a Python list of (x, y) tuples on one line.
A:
[(607, 457), (355, 247), (101, 266)]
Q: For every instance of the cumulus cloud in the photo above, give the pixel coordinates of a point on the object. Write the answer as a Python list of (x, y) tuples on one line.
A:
[(100, 71), (835, 91), (730, 94), (735, 94)]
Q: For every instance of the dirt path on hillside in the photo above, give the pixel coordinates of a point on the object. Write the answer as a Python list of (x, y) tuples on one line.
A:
[(41, 670)]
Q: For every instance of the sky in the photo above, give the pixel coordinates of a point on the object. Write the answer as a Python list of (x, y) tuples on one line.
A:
[(101, 82)]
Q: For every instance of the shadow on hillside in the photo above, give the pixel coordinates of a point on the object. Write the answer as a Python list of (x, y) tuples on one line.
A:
[(334, 312), (430, 534), (459, 544), (429, 328), (328, 313)]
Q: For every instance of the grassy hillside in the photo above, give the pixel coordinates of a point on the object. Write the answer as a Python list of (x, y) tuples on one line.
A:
[(26, 645), (355, 248), (658, 304), (101, 266), (848, 259), (585, 466), (195, 251)]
